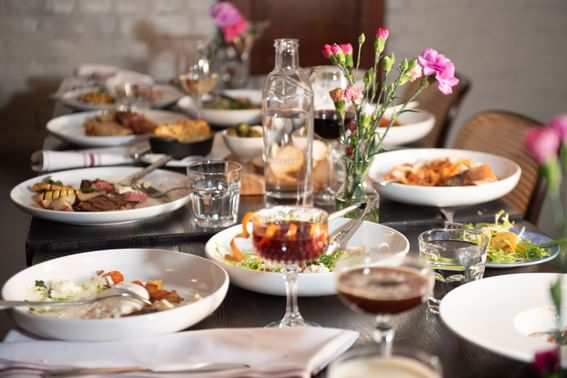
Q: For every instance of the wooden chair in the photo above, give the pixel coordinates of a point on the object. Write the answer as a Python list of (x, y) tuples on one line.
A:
[(444, 107), (502, 133)]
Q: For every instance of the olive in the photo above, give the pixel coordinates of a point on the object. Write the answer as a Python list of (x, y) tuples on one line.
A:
[(243, 129)]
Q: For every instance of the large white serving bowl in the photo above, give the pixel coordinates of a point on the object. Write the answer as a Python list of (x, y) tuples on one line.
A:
[(227, 118), (70, 128), (415, 124), (372, 236), (505, 169), (159, 179), (183, 272)]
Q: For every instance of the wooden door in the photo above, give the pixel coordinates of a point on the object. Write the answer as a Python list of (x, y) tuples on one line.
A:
[(314, 23)]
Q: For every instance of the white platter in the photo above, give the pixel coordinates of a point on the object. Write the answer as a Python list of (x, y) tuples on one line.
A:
[(505, 169), (164, 95), (227, 118), (70, 128), (535, 238), (498, 313), (415, 124), (373, 236), (183, 272), (160, 179)]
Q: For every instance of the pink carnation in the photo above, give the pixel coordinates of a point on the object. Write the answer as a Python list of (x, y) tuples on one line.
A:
[(225, 14), (437, 64), (327, 52), (353, 93), (559, 125), (382, 33), (542, 143), (336, 49), (346, 47), (236, 30), (415, 72)]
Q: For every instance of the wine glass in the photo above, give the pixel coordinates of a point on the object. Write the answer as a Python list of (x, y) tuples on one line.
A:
[(197, 77), (383, 285), (290, 235)]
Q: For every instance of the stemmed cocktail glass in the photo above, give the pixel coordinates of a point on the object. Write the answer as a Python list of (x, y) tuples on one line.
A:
[(383, 285), (290, 235)]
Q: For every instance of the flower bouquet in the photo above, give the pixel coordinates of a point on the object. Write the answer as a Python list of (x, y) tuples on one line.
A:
[(233, 42), (548, 146), (366, 103)]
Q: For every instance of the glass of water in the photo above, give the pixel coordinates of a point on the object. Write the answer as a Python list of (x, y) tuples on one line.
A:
[(457, 256), (215, 192)]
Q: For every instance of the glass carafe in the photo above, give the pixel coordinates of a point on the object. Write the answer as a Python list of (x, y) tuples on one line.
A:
[(287, 118)]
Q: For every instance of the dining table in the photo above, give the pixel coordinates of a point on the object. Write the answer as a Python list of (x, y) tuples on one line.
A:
[(417, 328)]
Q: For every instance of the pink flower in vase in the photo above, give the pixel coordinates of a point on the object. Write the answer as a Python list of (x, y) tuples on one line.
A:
[(327, 51), (225, 14), (559, 125), (382, 33), (542, 143), (443, 68), (346, 48), (236, 30), (354, 94)]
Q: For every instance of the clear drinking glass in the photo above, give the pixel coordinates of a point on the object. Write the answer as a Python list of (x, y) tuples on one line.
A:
[(383, 285), (215, 192), (290, 235), (457, 256), (287, 118), (197, 77), (132, 91)]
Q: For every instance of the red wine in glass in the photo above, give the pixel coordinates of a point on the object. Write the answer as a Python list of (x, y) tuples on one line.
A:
[(327, 123)]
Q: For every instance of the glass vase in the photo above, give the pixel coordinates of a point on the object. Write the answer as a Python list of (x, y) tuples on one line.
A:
[(355, 189)]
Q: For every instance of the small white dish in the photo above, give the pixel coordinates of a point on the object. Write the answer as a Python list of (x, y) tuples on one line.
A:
[(183, 272), (505, 169), (227, 117), (499, 313), (70, 128), (370, 235), (245, 148), (159, 179)]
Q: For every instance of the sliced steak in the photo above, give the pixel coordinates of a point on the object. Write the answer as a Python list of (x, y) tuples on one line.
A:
[(111, 202)]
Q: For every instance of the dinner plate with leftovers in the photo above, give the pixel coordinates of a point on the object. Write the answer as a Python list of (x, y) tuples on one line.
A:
[(95, 196), (109, 128), (183, 289), (315, 278), (443, 177)]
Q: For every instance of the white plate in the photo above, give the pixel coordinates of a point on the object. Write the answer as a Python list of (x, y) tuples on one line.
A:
[(498, 313), (70, 128), (183, 272), (160, 179), (536, 239), (227, 118), (371, 235), (505, 169), (415, 124), (164, 95)]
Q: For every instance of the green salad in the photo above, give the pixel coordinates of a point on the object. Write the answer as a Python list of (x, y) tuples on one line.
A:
[(507, 246)]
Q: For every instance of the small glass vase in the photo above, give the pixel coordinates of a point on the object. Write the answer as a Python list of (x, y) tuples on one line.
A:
[(233, 66), (356, 189)]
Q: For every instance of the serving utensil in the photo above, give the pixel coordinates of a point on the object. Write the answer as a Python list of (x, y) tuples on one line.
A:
[(137, 176), (110, 293)]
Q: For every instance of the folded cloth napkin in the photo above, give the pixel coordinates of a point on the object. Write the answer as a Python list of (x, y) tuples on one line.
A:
[(270, 352), (45, 160)]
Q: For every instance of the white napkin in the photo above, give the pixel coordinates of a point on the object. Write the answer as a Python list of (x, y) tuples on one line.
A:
[(270, 352), (45, 160)]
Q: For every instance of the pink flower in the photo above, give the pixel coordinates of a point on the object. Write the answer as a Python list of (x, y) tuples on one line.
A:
[(437, 64), (327, 52), (236, 30), (542, 143), (225, 14), (382, 33), (559, 125), (415, 73), (346, 47), (336, 49), (353, 93)]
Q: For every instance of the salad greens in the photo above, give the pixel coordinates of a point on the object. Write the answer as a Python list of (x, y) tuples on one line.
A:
[(506, 246)]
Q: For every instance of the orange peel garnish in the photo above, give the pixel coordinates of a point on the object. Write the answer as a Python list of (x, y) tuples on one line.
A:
[(237, 254)]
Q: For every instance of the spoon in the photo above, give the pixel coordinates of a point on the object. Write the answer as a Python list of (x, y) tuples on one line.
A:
[(110, 293)]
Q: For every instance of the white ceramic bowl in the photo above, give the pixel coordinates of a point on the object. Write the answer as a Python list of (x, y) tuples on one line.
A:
[(505, 169), (180, 271), (415, 124), (244, 148), (372, 236), (227, 118)]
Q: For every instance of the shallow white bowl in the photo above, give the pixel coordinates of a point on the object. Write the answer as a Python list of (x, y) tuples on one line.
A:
[(180, 271), (372, 236), (415, 124), (505, 169), (227, 118), (244, 148)]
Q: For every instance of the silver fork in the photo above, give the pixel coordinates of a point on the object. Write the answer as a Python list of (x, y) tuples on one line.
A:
[(110, 293)]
